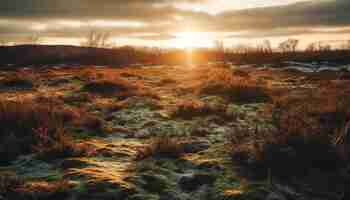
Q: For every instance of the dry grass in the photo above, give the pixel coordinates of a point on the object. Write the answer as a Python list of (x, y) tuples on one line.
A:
[(306, 137), (30, 127), (93, 123), (231, 85), (162, 147), (107, 87), (36, 189), (116, 87), (187, 109), (82, 97)]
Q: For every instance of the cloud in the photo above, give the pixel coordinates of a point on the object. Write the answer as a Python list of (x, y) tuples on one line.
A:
[(161, 17)]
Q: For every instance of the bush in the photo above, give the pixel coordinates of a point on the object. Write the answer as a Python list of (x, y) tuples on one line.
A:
[(29, 127)]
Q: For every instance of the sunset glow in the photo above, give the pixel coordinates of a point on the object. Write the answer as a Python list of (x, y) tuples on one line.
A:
[(188, 40), (176, 24)]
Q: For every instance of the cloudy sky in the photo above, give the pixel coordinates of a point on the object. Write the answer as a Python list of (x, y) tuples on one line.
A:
[(176, 23)]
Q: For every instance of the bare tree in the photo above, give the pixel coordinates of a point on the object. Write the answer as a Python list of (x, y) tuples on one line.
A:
[(311, 47), (325, 47), (242, 48), (318, 46), (289, 45), (97, 39), (267, 47), (219, 45), (220, 49)]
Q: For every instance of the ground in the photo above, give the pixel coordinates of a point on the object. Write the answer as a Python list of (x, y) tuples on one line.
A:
[(143, 105)]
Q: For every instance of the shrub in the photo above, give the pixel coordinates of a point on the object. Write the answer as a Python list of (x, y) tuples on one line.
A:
[(30, 127), (162, 147)]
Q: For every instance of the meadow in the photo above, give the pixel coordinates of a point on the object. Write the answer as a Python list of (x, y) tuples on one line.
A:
[(153, 132)]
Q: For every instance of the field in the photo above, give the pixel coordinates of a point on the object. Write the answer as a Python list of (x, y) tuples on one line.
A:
[(203, 132)]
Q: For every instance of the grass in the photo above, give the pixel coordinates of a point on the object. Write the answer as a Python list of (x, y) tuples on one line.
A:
[(93, 123), (304, 138), (12, 187), (162, 147), (232, 85), (116, 87), (106, 87), (32, 127), (187, 109)]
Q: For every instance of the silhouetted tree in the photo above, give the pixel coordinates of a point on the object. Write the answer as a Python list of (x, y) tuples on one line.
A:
[(267, 47), (97, 39), (219, 45), (220, 49), (311, 47), (289, 45)]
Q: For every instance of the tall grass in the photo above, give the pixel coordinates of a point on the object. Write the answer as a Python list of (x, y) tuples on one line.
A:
[(304, 138), (29, 127), (231, 85)]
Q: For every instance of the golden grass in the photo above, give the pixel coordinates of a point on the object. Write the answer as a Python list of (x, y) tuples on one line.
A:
[(236, 86), (162, 147), (32, 127), (306, 133)]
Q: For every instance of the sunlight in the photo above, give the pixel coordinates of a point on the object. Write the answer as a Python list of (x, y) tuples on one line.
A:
[(189, 40), (39, 27)]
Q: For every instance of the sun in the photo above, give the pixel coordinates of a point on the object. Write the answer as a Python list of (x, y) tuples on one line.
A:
[(190, 40)]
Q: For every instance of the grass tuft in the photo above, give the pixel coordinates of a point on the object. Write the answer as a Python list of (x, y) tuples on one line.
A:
[(162, 147)]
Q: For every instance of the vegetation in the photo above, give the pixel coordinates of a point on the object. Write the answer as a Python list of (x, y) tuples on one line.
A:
[(187, 109), (31, 127), (17, 83), (162, 147), (233, 86), (303, 138), (180, 132), (106, 87)]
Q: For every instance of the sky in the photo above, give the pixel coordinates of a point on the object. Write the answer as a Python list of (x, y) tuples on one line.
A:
[(175, 23)]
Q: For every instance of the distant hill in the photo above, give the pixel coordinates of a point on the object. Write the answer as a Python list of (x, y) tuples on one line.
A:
[(38, 55)]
